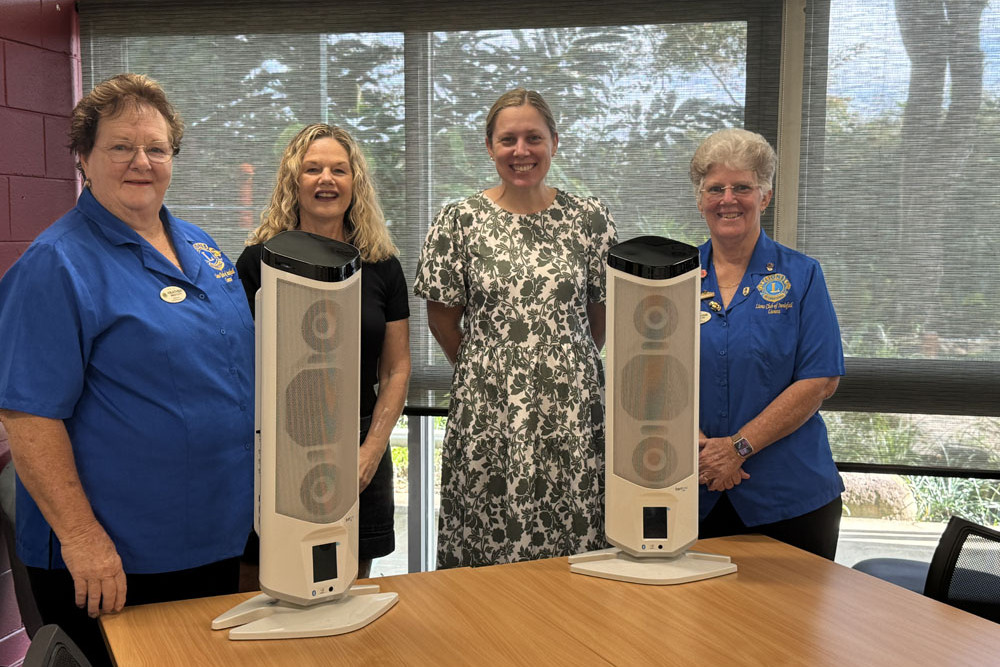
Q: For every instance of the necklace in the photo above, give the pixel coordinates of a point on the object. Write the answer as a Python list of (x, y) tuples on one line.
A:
[(729, 286)]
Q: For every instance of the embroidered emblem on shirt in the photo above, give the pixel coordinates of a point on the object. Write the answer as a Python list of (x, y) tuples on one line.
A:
[(212, 256), (774, 288)]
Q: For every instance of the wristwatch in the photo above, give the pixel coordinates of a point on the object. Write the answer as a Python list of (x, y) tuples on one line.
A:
[(742, 445)]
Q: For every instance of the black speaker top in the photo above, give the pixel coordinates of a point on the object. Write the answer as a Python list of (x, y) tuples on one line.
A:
[(653, 257), (311, 256)]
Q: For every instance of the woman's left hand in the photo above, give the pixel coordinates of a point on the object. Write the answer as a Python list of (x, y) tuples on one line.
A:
[(719, 466), (369, 457)]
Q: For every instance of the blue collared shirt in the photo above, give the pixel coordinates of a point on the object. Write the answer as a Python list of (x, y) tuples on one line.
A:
[(780, 327), (151, 370)]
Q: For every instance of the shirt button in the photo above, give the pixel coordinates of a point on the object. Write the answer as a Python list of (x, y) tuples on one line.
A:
[(222, 331), (724, 323), (722, 353), (247, 446), (201, 296)]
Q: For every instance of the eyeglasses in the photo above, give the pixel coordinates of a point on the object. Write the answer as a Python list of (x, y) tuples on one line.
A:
[(719, 191), (158, 152)]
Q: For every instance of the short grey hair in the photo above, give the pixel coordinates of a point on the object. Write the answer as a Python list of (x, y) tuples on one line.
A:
[(737, 149)]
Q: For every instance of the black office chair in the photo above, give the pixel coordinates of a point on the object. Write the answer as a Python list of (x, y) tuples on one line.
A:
[(31, 619), (964, 571), (51, 647)]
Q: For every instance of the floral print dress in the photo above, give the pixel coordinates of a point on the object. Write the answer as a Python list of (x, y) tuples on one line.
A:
[(523, 459)]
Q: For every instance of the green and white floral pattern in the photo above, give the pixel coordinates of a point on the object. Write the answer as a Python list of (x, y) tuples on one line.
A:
[(523, 460)]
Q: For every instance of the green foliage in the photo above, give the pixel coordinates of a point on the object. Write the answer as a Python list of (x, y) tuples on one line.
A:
[(938, 498), (871, 437)]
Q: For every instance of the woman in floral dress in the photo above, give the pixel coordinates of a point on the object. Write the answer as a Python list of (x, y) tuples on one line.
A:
[(514, 282)]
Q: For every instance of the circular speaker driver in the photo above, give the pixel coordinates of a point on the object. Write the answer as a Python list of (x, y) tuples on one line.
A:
[(655, 317), (319, 325), (653, 459), (319, 491)]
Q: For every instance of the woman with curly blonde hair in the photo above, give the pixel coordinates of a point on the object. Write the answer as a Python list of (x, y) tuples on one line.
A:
[(324, 187), (364, 221)]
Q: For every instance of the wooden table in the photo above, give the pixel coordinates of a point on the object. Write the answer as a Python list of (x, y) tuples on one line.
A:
[(783, 606)]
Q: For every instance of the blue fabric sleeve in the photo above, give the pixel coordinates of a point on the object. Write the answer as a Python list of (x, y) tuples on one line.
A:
[(819, 352), (45, 316)]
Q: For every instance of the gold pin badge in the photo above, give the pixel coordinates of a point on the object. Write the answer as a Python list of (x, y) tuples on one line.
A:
[(714, 305), (705, 316), (746, 290), (173, 294), (770, 266), (707, 295)]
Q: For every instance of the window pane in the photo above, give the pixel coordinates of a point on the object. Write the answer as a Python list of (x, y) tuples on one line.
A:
[(899, 205), (915, 440), (243, 97)]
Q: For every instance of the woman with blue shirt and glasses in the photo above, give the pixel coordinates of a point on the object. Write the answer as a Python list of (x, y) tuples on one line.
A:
[(126, 383), (770, 355)]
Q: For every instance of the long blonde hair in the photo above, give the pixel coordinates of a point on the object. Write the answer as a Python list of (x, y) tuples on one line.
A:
[(364, 222)]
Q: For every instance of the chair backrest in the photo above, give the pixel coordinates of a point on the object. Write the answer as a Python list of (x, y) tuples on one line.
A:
[(52, 647), (965, 569)]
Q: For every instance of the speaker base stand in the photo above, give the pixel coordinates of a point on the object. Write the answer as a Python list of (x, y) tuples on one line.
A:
[(620, 566), (264, 617)]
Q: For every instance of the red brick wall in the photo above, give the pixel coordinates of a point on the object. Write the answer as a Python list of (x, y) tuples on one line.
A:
[(39, 83)]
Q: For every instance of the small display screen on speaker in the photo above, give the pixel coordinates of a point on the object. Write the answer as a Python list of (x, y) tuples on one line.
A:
[(324, 562), (654, 523)]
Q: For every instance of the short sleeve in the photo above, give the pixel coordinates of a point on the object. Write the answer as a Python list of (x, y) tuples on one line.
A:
[(248, 270), (397, 299), (47, 334), (441, 267), (603, 235), (819, 352)]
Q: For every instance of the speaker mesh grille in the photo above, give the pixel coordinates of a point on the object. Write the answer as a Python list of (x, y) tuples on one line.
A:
[(317, 348), (652, 391)]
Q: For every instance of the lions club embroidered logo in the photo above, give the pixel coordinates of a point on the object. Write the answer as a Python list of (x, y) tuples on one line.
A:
[(212, 256), (774, 288)]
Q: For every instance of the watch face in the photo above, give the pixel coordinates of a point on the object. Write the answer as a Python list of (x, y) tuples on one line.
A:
[(743, 447)]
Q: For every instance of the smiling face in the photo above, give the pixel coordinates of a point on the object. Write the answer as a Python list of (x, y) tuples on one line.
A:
[(732, 217), (133, 191), (522, 146), (326, 184)]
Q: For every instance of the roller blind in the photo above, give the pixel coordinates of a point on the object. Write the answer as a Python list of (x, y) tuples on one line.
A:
[(900, 150)]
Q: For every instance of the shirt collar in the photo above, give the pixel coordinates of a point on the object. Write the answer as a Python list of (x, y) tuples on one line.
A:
[(118, 232), (763, 260)]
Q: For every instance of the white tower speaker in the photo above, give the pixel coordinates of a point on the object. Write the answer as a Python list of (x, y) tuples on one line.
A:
[(309, 350), (651, 441), (308, 340), (653, 287)]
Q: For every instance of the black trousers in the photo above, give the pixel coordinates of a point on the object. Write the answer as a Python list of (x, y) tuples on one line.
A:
[(56, 598), (815, 531)]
